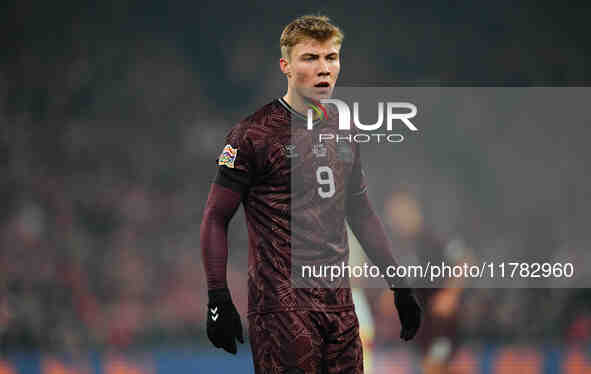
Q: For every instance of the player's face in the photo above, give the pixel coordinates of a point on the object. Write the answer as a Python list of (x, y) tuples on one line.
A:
[(314, 68)]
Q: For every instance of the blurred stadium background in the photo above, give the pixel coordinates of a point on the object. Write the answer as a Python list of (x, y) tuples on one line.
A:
[(111, 117)]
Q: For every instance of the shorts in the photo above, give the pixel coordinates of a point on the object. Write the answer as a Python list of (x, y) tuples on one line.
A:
[(306, 342)]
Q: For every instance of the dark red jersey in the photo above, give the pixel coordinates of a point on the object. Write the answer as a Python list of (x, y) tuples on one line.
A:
[(295, 190)]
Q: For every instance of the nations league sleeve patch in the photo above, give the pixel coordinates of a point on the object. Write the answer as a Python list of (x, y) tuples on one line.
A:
[(228, 156)]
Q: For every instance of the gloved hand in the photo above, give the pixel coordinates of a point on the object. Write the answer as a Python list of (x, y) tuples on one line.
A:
[(223, 320), (409, 312)]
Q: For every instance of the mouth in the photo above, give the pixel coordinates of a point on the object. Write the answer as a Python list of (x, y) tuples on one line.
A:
[(322, 85)]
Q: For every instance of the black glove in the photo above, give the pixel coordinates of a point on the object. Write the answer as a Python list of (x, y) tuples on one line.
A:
[(409, 312), (223, 320)]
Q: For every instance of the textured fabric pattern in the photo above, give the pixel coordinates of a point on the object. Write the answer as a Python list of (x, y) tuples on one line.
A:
[(306, 342), (275, 170)]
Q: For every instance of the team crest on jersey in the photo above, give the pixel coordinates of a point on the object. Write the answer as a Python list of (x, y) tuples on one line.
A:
[(345, 152), (228, 156), (290, 151), (319, 150)]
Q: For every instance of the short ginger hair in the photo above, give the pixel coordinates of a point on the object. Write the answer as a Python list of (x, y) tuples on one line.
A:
[(314, 27)]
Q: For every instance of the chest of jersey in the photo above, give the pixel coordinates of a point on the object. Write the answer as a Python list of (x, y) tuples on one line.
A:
[(311, 164)]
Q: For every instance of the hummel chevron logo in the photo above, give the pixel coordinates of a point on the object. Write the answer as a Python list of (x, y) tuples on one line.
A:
[(214, 316)]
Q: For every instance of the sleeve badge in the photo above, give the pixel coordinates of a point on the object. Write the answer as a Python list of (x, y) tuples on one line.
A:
[(228, 156)]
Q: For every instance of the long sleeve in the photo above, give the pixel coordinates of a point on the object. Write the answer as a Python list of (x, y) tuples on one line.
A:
[(368, 228), (221, 206)]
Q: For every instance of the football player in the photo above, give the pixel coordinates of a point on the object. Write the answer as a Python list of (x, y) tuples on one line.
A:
[(297, 193)]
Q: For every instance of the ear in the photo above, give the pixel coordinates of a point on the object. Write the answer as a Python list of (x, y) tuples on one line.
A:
[(285, 66)]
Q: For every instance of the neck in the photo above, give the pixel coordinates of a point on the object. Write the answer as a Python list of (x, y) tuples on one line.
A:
[(296, 102)]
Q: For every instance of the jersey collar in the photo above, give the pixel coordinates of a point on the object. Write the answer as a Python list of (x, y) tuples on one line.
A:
[(296, 113)]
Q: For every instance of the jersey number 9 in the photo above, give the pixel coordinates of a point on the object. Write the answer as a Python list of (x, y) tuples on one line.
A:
[(325, 178)]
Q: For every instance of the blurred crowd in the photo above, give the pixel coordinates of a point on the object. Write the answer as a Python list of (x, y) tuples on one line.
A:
[(101, 261), (107, 145)]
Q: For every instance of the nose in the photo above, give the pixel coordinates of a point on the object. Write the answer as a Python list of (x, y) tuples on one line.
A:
[(323, 68)]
